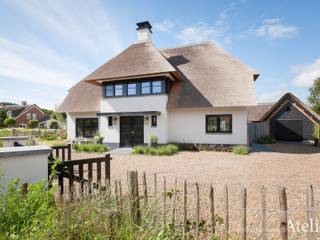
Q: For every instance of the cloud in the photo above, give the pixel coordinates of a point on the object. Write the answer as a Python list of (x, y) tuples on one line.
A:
[(306, 74), (272, 28), (164, 26), (273, 95), (36, 63)]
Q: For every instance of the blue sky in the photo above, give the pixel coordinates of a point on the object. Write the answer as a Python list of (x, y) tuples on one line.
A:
[(47, 46)]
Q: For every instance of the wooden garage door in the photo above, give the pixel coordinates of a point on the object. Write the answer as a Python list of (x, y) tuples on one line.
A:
[(289, 130)]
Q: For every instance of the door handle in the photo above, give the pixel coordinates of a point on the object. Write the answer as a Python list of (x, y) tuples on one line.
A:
[(132, 131)]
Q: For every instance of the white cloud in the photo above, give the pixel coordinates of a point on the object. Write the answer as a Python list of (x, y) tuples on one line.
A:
[(273, 28), (273, 95), (164, 26), (306, 74)]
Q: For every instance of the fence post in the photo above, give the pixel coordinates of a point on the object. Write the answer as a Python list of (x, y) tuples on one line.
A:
[(226, 213), (164, 201), (174, 203), (24, 189), (107, 167), (244, 214), (120, 195), (197, 211), (283, 214), (116, 193), (184, 229), (263, 213), (212, 223), (69, 151), (310, 213), (134, 205), (145, 190)]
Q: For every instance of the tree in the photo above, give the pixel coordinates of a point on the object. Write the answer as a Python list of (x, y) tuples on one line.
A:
[(314, 97), (33, 123), (53, 124), (3, 116), (9, 122)]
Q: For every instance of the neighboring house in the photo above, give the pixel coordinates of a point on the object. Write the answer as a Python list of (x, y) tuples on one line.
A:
[(23, 113), (190, 94), (289, 119)]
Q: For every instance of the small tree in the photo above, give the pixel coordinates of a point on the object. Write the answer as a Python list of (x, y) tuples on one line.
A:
[(314, 97), (53, 124), (3, 116), (33, 123), (9, 122)]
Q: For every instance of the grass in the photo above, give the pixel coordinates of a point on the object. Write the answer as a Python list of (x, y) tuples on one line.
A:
[(241, 150), (52, 143), (166, 150), (266, 140), (90, 147)]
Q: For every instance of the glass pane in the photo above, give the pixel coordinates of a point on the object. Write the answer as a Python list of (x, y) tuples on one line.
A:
[(145, 87), (156, 87), (132, 89), (212, 124), (225, 124), (119, 90), (109, 90)]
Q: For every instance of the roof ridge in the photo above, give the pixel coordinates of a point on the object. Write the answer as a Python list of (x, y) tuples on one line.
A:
[(189, 45)]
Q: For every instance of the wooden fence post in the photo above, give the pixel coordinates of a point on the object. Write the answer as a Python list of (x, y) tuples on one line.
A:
[(174, 203), (184, 229), (145, 189), (263, 214), (197, 211), (212, 219), (283, 214), (311, 213), (226, 213), (107, 166), (116, 193), (69, 151), (155, 187), (120, 195), (24, 189), (244, 214), (134, 197), (164, 201)]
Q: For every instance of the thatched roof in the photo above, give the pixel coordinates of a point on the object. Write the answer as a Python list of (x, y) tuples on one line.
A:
[(255, 113), (207, 77)]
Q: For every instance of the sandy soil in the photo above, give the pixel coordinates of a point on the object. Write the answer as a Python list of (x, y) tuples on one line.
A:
[(291, 165)]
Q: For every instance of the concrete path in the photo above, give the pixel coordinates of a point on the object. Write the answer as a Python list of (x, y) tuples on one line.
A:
[(121, 151), (256, 147)]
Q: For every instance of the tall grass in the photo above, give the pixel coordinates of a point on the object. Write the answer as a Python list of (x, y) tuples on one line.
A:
[(168, 150), (90, 147)]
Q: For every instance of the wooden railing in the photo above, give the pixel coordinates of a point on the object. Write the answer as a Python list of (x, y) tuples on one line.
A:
[(61, 152)]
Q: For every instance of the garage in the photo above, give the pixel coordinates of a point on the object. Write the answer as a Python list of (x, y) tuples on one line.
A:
[(289, 130)]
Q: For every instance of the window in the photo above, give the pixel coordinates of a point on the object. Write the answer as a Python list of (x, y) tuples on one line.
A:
[(109, 90), (110, 121), (34, 116), (153, 120), (219, 123), (86, 127), (145, 87), (156, 87), (118, 90), (132, 89), (9, 114), (28, 116)]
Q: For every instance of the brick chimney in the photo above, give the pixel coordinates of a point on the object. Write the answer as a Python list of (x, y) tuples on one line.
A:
[(144, 31)]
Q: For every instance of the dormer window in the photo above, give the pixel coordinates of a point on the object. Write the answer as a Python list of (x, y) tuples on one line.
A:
[(132, 89), (110, 90), (118, 90), (145, 87), (156, 87)]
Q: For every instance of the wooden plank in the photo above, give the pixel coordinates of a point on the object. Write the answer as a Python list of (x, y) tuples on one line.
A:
[(155, 187), (212, 214), (71, 184), (69, 151), (107, 166), (145, 189), (226, 213), (99, 172), (311, 213), (264, 235), (197, 213), (24, 189), (80, 169), (243, 214), (57, 152), (174, 199), (283, 213), (116, 193), (164, 201), (63, 154), (132, 182), (120, 195), (185, 204), (90, 171)]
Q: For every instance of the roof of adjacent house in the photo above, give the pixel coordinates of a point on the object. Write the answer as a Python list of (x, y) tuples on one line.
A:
[(207, 77), (264, 111), (17, 109)]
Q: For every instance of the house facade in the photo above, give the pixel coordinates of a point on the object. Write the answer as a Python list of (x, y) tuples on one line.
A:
[(190, 94), (23, 113)]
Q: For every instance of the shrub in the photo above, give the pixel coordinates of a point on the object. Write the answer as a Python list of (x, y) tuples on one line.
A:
[(90, 147), (153, 140), (1, 144), (168, 149), (266, 140), (9, 122), (316, 134), (33, 123), (53, 124), (241, 150), (5, 132)]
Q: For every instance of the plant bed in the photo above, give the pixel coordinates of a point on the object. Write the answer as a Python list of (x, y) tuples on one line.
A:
[(90, 147), (241, 150), (167, 150)]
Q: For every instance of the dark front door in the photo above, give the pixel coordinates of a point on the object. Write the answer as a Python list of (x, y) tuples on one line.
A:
[(131, 131), (289, 130)]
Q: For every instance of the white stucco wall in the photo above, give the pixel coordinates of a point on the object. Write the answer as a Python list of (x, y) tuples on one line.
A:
[(71, 122), (135, 104), (187, 125)]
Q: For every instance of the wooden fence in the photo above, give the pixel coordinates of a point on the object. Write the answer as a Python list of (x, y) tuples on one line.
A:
[(61, 152), (141, 195)]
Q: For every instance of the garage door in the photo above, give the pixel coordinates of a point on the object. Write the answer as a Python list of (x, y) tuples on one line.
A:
[(289, 130)]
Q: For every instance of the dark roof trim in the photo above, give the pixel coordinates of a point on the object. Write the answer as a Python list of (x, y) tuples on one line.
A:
[(300, 106), (128, 113)]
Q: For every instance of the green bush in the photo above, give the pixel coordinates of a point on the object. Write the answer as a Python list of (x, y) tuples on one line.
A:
[(241, 150), (53, 124), (168, 149), (33, 123), (153, 140), (9, 122), (316, 134), (1, 144), (266, 140), (5, 132), (90, 147)]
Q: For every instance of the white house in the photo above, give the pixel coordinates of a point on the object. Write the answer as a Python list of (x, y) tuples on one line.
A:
[(189, 94)]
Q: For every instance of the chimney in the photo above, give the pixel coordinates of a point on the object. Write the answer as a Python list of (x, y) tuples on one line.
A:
[(144, 31), (23, 103)]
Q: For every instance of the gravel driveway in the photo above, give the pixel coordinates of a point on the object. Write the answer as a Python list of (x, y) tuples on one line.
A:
[(291, 165)]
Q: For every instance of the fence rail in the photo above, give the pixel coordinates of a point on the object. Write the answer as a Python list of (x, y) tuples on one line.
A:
[(61, 152)]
